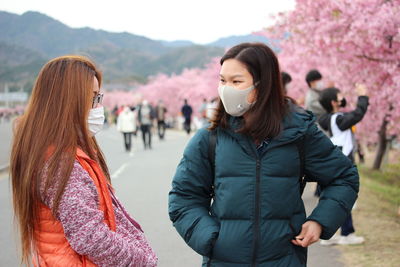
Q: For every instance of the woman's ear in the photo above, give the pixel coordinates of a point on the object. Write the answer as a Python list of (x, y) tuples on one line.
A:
[(252, 96)]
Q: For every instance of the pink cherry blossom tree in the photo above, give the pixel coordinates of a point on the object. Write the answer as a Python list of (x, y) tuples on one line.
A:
[(349, 41), (192, 84), (119, 98)]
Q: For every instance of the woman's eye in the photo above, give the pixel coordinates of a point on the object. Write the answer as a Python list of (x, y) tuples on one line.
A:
[(236, 82), (222, 80)]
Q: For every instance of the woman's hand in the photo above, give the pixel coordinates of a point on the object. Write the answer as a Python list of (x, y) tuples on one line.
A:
[(310, 233)]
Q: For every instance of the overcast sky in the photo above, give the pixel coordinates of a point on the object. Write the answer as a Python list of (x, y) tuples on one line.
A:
[(200, 21)]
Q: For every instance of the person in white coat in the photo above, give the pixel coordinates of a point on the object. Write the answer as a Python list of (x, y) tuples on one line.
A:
[(126, 124)]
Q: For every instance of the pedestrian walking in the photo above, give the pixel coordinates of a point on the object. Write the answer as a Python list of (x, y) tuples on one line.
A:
[(145, 119), (126, 124), (203, 113), (339, 126), (315, 86), (187, 115), (161, 110), (212, 108), (114, 113), (63, 199), (236, 194)]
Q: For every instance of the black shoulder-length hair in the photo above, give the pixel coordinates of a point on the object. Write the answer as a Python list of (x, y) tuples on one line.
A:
[(265, 117)]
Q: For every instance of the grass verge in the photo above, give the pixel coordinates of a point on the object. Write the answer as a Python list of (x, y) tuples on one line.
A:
[(376, 218), (385, 183)]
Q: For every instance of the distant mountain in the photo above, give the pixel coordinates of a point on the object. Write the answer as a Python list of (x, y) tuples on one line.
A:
[(230, 41), (179, 43), (224, 42), (30, 39), (53, 38), (185, 57), (19, 63)]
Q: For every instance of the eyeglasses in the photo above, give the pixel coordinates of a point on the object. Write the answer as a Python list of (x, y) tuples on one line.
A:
[(98, 99)]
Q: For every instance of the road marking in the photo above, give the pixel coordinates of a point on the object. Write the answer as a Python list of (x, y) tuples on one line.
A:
[(119, 171)]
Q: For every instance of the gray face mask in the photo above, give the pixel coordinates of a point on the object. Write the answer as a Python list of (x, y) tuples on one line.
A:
[(234, 100)]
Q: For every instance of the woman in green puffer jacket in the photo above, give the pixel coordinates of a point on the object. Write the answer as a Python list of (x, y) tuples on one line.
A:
[(246, 210)]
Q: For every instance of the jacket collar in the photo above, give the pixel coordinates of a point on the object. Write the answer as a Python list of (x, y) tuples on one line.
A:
[(295, 125), (81, 154)]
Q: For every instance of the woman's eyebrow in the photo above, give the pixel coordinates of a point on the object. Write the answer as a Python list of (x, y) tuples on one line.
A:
[(233, 76)]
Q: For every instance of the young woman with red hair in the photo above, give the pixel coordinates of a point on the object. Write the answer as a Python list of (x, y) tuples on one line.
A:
[(62, 194)]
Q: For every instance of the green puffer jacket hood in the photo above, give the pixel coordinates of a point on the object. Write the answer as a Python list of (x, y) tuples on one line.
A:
[(257, 207)]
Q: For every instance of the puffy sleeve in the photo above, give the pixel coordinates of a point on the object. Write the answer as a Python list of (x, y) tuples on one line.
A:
[(84, 226), (338, 177), (190, 197), (349, 119)]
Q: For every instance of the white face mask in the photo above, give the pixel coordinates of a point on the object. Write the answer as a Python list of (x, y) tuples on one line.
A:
[(320, 85), (96, 120), (235, 100)]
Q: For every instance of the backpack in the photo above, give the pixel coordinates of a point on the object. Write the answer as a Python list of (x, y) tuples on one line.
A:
[(212, 143)]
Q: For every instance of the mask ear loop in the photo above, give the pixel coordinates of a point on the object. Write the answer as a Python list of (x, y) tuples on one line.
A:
[(255, 86)]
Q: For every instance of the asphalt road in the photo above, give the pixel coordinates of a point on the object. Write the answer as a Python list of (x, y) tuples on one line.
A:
[(142, 182), (5, 143)]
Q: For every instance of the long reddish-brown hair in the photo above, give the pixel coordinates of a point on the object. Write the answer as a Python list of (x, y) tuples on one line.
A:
[(265, 117), (52, 128)]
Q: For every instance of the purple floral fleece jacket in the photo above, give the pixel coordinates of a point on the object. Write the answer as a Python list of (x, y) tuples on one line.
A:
[(87, 233)]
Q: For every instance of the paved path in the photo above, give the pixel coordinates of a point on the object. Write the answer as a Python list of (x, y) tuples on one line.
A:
[(142, 182), (5, 143)]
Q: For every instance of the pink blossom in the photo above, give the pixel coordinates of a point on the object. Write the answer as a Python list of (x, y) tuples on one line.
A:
[(349, 41)]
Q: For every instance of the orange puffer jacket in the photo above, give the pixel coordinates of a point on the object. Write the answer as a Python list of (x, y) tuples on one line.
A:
[(52, 248)]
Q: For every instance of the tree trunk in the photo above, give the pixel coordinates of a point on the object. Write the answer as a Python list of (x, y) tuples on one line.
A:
[(382, 146)]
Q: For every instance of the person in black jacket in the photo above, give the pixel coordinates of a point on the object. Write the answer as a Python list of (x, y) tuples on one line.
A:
[(339, 126), (187, 114)]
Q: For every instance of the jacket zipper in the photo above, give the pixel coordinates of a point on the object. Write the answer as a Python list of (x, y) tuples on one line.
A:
[(257, 208)]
